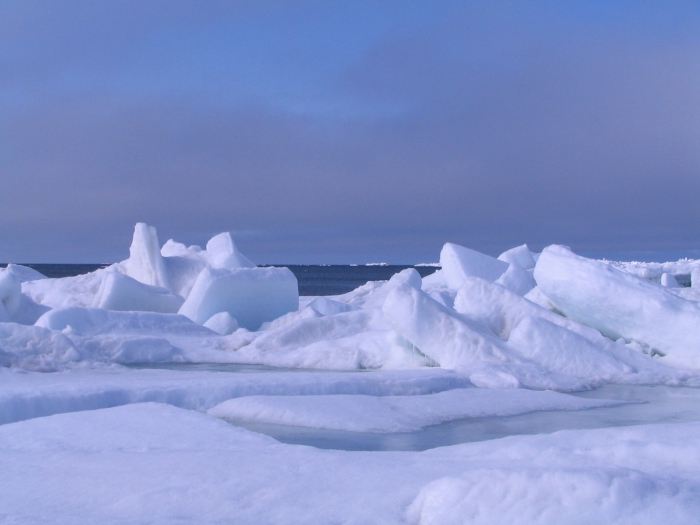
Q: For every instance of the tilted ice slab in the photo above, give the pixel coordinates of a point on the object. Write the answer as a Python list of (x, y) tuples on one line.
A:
[(520, 255), (459, 262), (94, 321), (145, 262), (26, 395), (123, 293), (556, 342), (453, 341), (621, 305), (152, 463), (385, 414)]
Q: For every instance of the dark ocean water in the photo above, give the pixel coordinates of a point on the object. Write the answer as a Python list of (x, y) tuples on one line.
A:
[(313, 280)]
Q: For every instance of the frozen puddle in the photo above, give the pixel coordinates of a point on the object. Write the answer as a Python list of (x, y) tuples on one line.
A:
[(660, 404)]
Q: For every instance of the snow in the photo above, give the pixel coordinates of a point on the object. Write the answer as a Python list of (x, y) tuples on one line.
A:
[(151, 463), (251, 295), (92, 431), (222, 323), (32, 395), (14, 305), (359, 413), (34, 348), (24, 273)]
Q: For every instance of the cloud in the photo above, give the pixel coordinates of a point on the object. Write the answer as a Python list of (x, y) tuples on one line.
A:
[(484, 126)]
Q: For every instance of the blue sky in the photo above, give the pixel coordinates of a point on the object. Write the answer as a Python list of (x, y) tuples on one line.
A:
[(349, 131)]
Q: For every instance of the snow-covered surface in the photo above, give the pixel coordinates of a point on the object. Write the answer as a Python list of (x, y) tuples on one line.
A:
[(86, 438), (152, 463), (31, 394), (361, 413)]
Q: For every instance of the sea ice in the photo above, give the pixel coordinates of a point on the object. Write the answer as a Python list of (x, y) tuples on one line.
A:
[(222, 253), (152, 463), (361, 413), (459, 262), (121, 292), (15, 306), (621, 305), (222, 323), (520, 255), (251, 295), (24, 273), (669, 281), (145, 262), (517, 280)]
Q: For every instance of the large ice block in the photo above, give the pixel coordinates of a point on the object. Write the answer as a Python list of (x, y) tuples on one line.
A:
[(145, 262), (459, 262), (223, 253), (619, 304), (520, 255), (121, 292), (251, 295)]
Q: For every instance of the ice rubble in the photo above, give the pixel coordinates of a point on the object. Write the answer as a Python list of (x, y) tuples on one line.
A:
[(550, 321), (498, 321), (621, 305)]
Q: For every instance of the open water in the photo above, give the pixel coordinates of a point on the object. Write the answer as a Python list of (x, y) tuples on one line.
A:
[(313, 279)]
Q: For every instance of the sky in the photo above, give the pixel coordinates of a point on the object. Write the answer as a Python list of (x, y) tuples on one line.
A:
[(349, 131)]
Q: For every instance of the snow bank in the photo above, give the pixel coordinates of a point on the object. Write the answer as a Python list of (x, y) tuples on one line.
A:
[(621, 305), (395, 413), (222, 323), (325, 306), (459, 262), (24, 273), (35, 348), (251, 295), (94, 321)]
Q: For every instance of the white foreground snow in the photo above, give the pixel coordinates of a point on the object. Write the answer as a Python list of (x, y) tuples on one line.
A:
[(152, 463), (361, 413), (85, 439)]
